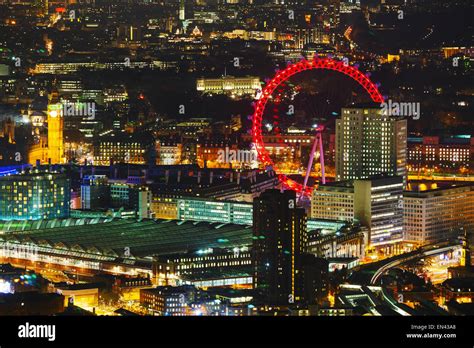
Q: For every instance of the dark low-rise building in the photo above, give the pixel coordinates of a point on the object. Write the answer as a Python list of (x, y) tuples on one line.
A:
[(31, 303), (458, 288)]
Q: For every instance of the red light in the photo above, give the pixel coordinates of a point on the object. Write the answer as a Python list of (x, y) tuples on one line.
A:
[(283, 75)]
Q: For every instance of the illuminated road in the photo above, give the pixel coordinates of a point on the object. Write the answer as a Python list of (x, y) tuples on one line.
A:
[(428, 251), (437, 272), (371, 274), (401, 259)]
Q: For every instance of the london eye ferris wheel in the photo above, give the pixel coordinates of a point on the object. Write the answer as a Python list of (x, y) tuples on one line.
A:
[(289, 100)]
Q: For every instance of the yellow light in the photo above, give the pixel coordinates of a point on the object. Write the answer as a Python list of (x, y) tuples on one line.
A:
[(53, 113)]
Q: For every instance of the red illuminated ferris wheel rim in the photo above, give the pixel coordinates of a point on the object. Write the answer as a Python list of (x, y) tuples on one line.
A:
[(282, 76)]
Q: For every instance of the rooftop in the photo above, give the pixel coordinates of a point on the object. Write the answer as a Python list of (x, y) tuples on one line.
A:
[(429, 186), (460, 284)]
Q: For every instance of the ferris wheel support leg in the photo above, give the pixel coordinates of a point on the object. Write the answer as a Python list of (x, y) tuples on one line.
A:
[(321, 159), (310, 163)]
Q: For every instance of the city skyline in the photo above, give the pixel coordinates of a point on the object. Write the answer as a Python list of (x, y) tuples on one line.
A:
[(238, 158)]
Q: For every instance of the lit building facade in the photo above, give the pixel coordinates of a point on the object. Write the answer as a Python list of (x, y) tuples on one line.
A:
[(376, 203), (208, 154), (34, 196), (216, 211), (442, 154), (124, 149), (212, 210), (205, 264), (55, 134), (333, 202), (311, 35), (167, 300), (98, 193), (287, 149), (168, 153), (163, 207), (62, 68), (229, 85), (437, 212), (348, 6), (369, 143)]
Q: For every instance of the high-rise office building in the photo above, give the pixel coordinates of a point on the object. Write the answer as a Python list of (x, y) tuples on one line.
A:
[(279, 241), (378, 204), (369, 143), (375, 202)]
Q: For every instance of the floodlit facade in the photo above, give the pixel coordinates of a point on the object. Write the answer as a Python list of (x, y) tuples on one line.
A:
[(229, 85), (164, 208), (124, 149), (55, 134), (168, 153)]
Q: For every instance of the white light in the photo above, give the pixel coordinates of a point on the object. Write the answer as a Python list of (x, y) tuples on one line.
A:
[(5, 287)]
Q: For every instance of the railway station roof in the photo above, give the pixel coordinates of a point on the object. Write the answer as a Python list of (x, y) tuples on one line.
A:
[(109, 238)]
